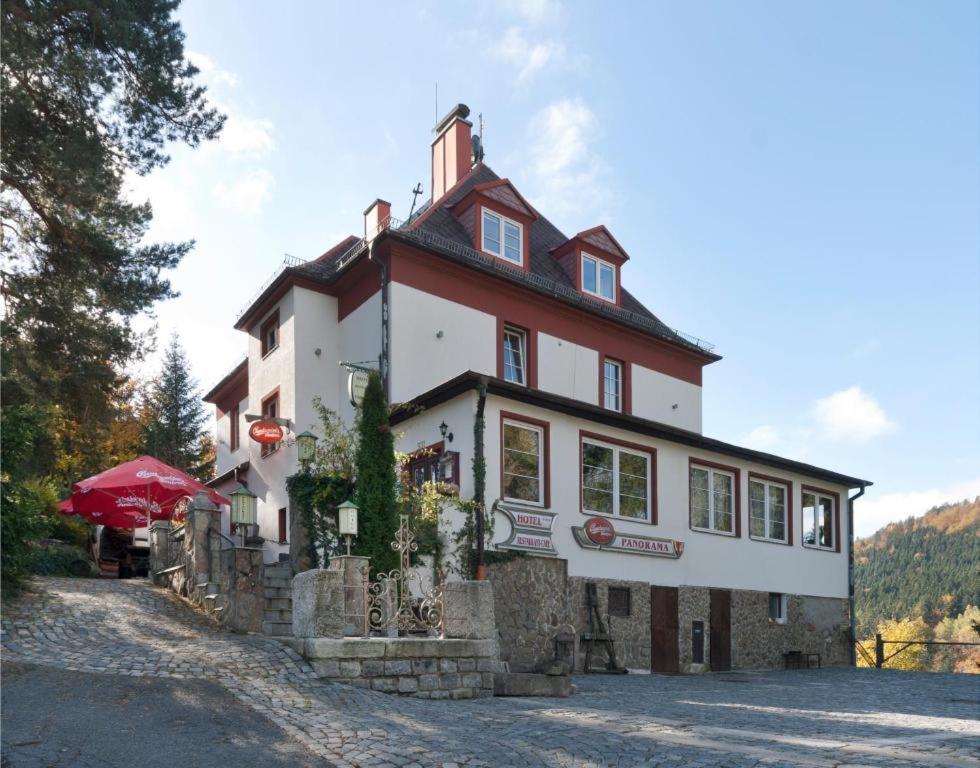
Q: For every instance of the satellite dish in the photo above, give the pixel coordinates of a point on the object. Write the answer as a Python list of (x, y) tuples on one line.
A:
[(477, 153)]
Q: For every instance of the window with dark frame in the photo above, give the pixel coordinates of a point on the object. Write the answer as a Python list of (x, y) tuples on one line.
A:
[(619, 601), (270, 333), (233, 438), (612, 385), (818, 520), (515, 355), (777, 607), (270, 409)]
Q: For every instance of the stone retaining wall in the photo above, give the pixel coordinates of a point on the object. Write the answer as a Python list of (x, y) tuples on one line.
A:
[(631, 634), (425, 668)]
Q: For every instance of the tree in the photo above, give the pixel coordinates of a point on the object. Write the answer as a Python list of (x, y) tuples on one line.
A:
[(377, 494), (176, 416), (92, 91)]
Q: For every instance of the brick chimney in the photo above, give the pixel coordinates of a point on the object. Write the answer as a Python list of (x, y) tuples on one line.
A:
[(376, 218), (451, 150)]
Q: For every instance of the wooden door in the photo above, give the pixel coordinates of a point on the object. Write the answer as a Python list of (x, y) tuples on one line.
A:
[(664, 649), (720, 643)]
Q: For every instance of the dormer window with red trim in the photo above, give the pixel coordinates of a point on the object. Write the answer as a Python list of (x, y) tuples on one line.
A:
[(598, 277), (502, 237)]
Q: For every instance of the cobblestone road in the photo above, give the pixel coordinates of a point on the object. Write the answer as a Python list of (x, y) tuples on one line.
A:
[(807, 718)]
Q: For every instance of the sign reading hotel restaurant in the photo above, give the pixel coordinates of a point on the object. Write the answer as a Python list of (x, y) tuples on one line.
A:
[(530, 531), (357, 382), (599, 533), (265, 431)]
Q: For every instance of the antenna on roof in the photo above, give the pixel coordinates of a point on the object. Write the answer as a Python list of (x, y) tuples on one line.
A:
[(415, 196), (476, 142)]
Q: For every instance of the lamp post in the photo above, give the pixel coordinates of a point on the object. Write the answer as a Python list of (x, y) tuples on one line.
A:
[(347, 521), (306, 447), (244, 509)]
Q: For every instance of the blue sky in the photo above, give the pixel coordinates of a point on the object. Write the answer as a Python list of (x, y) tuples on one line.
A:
[(798, 183)]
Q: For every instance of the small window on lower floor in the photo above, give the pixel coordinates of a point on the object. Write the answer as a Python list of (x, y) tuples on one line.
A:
[(619, 601), (777, 607), (283, 526)]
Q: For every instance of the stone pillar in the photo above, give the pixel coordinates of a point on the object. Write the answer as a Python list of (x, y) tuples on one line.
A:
[(299, 541), (354, 569), (318, 603), (244, 591), (467, 610), (202, 517), (159, 550)]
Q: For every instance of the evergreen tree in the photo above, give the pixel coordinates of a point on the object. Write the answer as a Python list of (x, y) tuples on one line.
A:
[(91, 92), (176, 417), (377, 494)]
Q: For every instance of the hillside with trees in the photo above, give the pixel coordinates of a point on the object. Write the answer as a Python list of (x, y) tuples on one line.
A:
[(919, 579)]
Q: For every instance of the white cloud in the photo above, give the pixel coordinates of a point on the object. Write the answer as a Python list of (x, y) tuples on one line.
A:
[(535, 11), (244, 134), (568, 175), (870, 514), (851, 415), (248, 193), (526, 55), (167, 190), (211, 73), (791, 443)]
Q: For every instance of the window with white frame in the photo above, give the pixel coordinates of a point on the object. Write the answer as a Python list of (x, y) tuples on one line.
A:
[(515, 355), (767, 510), (712, 499), (615, 480), (598, 277), (503, 237), (523, 455), (777, 607), (612, 385), (818, 520)]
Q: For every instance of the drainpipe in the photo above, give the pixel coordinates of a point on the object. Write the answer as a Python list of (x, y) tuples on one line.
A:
[(852, 631), (383, 357), (479, 477)]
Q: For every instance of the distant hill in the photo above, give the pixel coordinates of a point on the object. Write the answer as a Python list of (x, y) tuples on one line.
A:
[(925, 567)]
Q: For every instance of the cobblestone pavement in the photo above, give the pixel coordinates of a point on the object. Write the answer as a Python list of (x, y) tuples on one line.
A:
[(831, 717)]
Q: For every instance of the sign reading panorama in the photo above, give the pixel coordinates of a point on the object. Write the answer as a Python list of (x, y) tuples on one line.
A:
[(599, 533)]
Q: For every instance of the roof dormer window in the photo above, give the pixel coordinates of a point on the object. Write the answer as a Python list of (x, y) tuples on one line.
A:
[(598, 278), (502, 237)]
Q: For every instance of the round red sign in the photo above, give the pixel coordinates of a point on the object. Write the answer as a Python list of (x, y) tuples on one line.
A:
[(265, 431), (600, 531)]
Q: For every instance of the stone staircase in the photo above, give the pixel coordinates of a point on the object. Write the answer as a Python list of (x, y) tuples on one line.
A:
[(277, 619)]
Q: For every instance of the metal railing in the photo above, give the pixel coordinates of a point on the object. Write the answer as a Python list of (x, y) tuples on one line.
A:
[(880, 658)]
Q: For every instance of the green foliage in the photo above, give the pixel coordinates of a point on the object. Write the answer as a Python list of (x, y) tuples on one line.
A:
[(23, 521), (925, 567), (376, 495), (55, 558), (91, 92), (175, 416)]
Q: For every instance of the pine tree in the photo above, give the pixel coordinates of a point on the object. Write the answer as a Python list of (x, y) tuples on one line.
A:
[(377, 494), (176, 416)]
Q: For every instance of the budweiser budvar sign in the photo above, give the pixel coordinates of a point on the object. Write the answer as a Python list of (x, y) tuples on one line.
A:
[(599, 533), (265, 431)]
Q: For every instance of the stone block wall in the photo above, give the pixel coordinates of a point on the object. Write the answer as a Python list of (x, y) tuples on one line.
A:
[(242, 589), (631, 634), (425, 668), (813, 625), (530, 605)]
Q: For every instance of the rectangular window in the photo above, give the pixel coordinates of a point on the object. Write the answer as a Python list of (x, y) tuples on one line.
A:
[(767, 510), (598, 278), (615, 481), (612, 385), (515, 356), (283, 526), (777, 607), (270, 333), (503, 237), (818, 520), (618, 603), (523, 463), (270, 409), (233, 419), (712, 499)]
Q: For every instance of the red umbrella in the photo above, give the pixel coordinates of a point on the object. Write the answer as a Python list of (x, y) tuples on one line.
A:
[(126, 495)]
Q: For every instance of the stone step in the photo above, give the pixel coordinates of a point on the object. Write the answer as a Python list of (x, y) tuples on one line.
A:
[(279, 568), (284, 616), (278, 603), (277, 582), (277, 628), (271, 592)]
